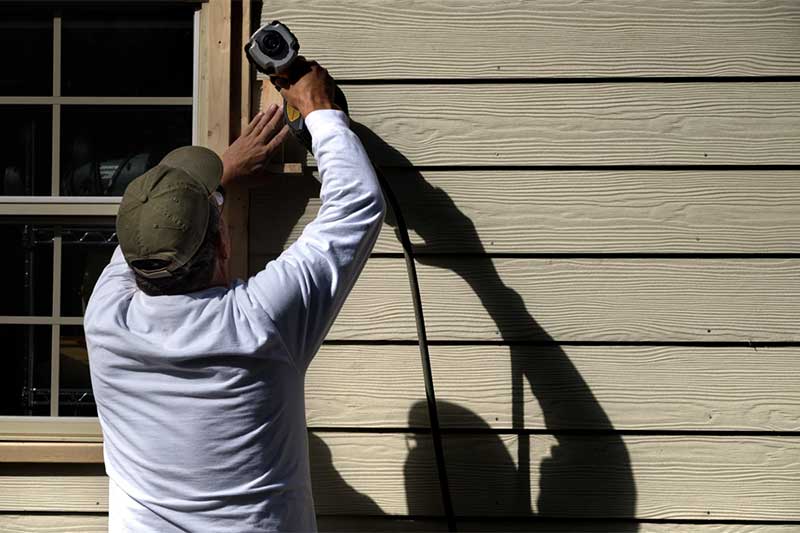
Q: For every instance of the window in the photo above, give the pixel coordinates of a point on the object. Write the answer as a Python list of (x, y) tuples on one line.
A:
[(90, 98)]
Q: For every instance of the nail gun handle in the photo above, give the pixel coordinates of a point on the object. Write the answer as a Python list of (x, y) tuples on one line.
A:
[(297, 125)]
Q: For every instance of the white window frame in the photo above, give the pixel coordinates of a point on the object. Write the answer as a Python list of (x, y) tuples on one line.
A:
[(55, 427)]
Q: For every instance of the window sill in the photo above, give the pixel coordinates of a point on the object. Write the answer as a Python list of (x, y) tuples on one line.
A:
[(51, 452), (29, 429)]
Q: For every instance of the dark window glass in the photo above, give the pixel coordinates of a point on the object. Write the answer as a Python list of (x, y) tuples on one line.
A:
[(85, 252), (27, 269), (25, 151), (25, 379), (104, 148), (26, 55), (75, 394), (127, 53)]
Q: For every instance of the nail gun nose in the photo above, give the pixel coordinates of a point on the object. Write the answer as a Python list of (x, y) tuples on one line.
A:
[(274, 45)]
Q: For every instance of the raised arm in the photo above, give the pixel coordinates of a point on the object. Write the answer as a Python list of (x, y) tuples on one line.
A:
[(116, 279), (303, 290)]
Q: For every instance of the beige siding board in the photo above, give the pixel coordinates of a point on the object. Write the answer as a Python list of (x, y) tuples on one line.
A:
[(377, 524), (580, 124), (501, 525), (628, 387), (674, 388), (363, 386), (424, 39), (370, 524), (614, 300), (82, 523), (72, 523), (676, 477), (698, 211), (17, 523), (652, 388), (53, 488)]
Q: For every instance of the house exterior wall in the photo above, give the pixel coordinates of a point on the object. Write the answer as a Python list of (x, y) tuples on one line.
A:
[(603, 200)]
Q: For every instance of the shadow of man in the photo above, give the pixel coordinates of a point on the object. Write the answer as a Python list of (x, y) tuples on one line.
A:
[(339, 493), (588, 473)]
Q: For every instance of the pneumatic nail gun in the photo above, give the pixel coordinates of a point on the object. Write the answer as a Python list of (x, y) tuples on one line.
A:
[(272, 50)]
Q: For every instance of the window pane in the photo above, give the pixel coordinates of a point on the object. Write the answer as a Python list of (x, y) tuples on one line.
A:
[(85, 253), (25, 151), (25, 379), (27, 270), (75, 396), (26, 54), (103, 148), (128, 54)]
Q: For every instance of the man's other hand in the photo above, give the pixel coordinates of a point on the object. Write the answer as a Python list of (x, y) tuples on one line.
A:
[(306, 87), (247, 158)]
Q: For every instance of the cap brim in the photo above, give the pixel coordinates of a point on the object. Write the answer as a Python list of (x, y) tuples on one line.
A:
[(200, 163)]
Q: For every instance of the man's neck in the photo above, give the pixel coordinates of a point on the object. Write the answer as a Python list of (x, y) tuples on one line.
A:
[(221, 276)]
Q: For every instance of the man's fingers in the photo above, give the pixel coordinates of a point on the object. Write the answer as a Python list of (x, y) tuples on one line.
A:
[(278, 139), (272, 111), (265, 118), (249, 128), (272, 126)]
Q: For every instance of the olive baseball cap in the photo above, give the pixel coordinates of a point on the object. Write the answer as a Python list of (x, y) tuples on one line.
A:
[(164, 213)]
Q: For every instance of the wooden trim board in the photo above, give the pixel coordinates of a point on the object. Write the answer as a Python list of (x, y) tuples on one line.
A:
[(50, 452)]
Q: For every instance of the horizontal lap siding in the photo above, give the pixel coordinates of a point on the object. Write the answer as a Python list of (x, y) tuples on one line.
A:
[(515, 186), (563, 211), (652, 477), (383, 524), (577, 300), (15, 523), (588, 124), (469, 39), (84, 523), (652, 388)]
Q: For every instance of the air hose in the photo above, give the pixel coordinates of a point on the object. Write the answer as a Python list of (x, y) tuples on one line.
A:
[(419, 318)]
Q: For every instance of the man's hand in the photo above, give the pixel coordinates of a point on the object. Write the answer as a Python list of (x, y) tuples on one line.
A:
[(248, 156), (306, 87)]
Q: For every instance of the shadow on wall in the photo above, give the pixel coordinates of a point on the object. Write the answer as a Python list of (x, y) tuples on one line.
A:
[(584, 474)]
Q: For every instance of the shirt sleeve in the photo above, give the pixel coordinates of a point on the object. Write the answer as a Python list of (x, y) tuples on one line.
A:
[(117, 278), (117, 273), (303, 290)]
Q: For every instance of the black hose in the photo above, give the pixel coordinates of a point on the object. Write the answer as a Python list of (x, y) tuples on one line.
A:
[(433, 413)]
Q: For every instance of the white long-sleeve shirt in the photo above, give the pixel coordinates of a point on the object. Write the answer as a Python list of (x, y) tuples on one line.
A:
[(200, 396)]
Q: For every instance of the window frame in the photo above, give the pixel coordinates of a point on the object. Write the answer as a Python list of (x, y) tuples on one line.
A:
[(66, 210)]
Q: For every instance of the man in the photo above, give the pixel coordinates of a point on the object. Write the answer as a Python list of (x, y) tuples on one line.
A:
[(199, 379)]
